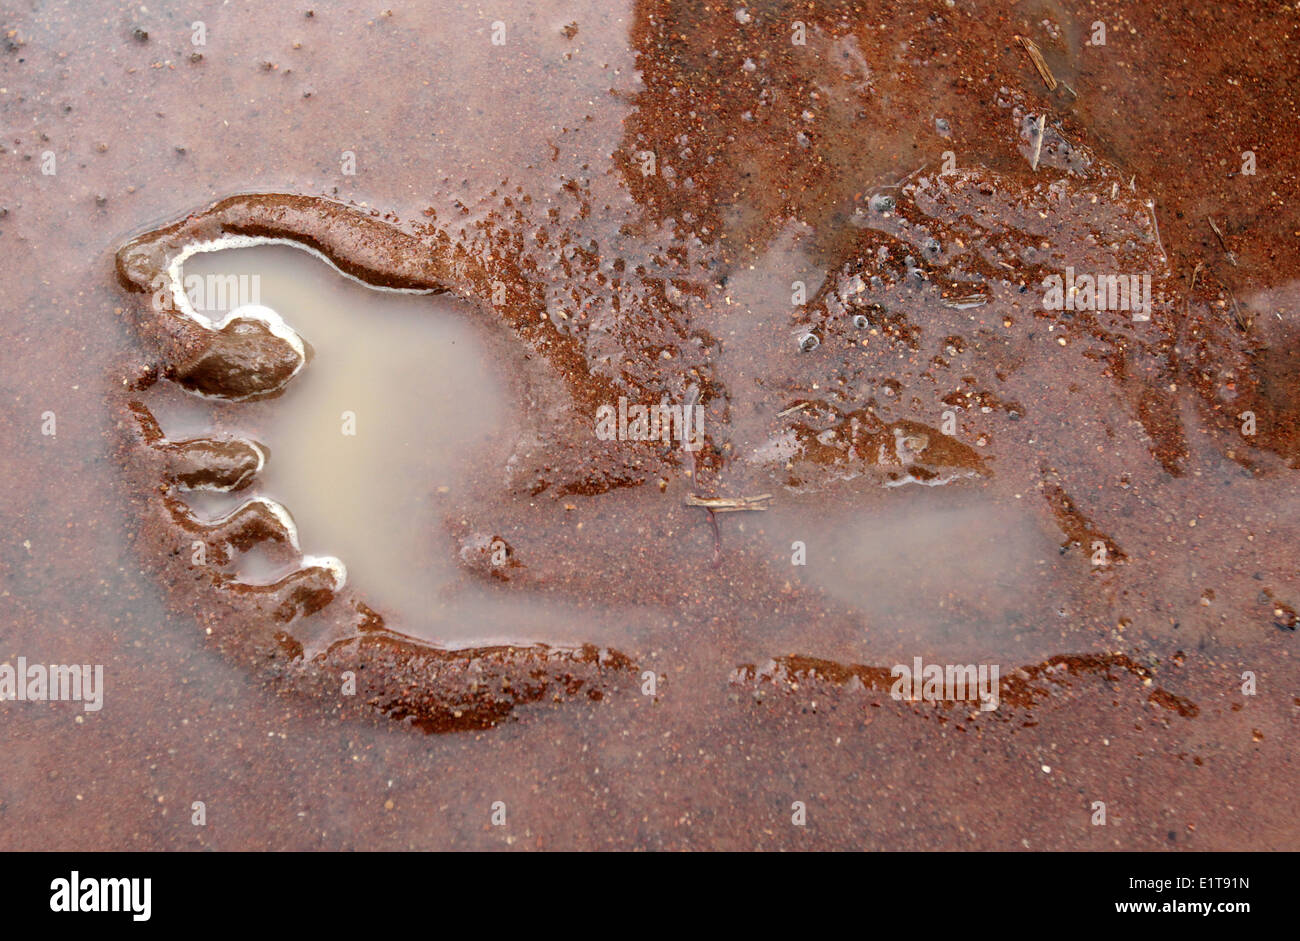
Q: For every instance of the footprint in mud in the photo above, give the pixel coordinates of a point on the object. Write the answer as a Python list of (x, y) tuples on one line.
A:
[(339, 418), (353, 430), (879, 335)]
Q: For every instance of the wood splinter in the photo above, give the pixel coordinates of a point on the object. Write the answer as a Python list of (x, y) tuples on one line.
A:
[(1222, 243), (1036, 57), (730, 504)]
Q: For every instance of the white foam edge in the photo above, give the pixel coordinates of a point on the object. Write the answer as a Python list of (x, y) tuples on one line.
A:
[(266, 315), (338, 571), (936, 482)]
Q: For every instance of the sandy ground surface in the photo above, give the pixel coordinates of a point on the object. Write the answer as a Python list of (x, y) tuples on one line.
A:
[(439, 119)]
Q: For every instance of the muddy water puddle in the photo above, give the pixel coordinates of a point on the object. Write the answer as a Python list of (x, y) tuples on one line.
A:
[(404, 405), (954, 573), (400, 407), (949, 448)]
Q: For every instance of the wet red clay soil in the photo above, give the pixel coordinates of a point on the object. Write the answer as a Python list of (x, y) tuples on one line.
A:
[(1122, 685)]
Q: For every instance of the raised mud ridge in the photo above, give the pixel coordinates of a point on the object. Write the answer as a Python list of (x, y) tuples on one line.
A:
[(1018, 692)]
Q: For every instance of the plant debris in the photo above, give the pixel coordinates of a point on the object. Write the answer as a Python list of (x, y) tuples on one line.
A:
[(1222, 244), (1036, 57), (761, 501)]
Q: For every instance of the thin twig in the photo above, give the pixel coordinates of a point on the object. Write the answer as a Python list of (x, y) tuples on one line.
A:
[(1243, 322), (1151, 206), (1222, 244), (965, 302), (1036, 57), (717, 539), (903, 180), (730, 504)]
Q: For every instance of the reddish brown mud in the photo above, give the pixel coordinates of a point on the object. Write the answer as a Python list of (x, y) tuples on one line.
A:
[(916, 394)]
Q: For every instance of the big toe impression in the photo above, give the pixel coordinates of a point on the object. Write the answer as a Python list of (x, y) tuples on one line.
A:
[(251, 354)]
